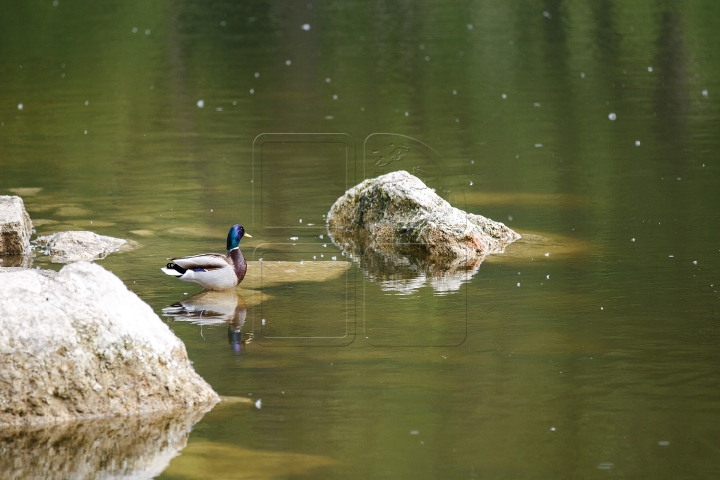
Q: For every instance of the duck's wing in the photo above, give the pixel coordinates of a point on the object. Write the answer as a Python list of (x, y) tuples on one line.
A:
[(207, 261)]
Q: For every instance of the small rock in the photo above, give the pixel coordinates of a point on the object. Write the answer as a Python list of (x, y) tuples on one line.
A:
[(397, 209), (15, 226), (76, 246)]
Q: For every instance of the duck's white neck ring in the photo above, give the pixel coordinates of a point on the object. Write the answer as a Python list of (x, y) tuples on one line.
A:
[(236, 248)]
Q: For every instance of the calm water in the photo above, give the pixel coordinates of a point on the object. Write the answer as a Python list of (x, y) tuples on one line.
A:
[(592, 124)]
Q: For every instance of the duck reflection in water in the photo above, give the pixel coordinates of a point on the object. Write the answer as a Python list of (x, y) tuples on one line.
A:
[(214, 308)]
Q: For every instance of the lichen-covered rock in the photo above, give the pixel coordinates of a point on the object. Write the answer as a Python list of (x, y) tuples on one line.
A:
[(77, 246), (15, 226), (82, 345), (397, 211)]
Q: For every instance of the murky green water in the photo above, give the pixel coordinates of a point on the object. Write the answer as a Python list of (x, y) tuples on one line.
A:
[(593, 124)]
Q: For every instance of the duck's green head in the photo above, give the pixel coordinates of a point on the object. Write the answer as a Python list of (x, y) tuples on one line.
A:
[(236, 233)]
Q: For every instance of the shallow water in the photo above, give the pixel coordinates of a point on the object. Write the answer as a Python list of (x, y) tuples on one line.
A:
[(599, 359)]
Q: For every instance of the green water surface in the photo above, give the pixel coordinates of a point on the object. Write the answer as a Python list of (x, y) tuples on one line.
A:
[(593, 124)]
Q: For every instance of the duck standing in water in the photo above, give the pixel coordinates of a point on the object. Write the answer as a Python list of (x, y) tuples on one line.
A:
[(213, 271)]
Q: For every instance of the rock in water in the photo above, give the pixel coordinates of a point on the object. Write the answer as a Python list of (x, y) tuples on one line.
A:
[(76, 246), (397, 211), (82, 345), (15, 226)]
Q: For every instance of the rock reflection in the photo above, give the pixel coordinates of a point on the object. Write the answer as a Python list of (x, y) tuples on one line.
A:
[(20, 261), (138, 446), (404, 273), (215, 308)]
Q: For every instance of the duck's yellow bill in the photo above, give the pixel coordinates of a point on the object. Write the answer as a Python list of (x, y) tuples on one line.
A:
[(248, 235)]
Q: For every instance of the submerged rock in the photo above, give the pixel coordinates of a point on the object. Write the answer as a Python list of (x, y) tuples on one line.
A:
[(397, 211), (76, 246), (15, 226), (82, 345)]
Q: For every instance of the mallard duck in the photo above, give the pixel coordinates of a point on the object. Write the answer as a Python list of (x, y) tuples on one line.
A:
[(213, 271)]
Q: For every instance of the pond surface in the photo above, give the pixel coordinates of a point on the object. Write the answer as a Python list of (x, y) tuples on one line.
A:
[(590, 127)]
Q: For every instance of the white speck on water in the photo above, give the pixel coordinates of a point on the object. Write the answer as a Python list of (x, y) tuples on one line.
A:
[(62, 75), (134, 30), (201, 103), (471, 183), (321, 235), (85, 132), (427, 59), (552, 429), (472, 162), (547, 254), (414, 432), (469, 25), (637, 143), (325, 245), (328, 80), (454, 92), (334, 258), (258, 403), (329, 117), (518, 284), (87, 102), (511, 42), (218, 109), (20, 106), (612, 116), (632, 239), (322, 255), (293, 238), (211, 210), (510, 218), (288, 62), (601, 308), (582, 74), (147, 32), (305, 26), (503, 96), (536, 105), (650, 69), (679, 178), (547, 15), (314, 257), (705, 93), (663, 443), (184, 293), (547, 276), (406, 114), (260, 259), (334, 97), (422, 442), (234, 102), (605, 466), (538, 145), (457, 120), (263, 321), (252, 91), (302, 262), (257, 74), (222, 24), (300, 220), (694, 262), (362, 109), (55, 3)]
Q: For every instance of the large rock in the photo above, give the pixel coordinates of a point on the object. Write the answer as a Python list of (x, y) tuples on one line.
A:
[(77, 246), (15, 226), (397, 211), (82, 345)]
